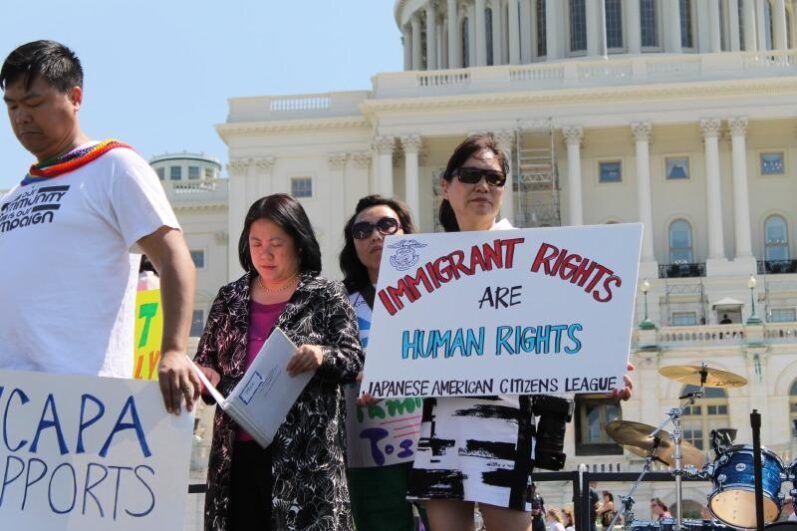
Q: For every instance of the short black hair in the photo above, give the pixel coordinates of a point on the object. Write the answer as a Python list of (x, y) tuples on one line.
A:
[(287, 213), (355, 276), (471, 145), (52, 60)]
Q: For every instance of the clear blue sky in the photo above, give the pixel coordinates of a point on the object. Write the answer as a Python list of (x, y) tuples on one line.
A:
[(158, 73)]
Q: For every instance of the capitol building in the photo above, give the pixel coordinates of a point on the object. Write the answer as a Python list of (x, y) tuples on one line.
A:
[(681, 114)]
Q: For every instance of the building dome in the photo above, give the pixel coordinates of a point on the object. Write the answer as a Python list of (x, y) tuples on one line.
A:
[(186, 166), (444, 34)]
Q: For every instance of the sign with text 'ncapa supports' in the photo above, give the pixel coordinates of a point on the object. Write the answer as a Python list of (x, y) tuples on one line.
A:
[(506, 312), (84, 452)]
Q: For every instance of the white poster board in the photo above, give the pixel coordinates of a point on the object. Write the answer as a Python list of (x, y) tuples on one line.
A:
[(525, 311), (84, 452)]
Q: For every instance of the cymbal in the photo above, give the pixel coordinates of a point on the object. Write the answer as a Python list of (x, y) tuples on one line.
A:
[(635, 437), (690, 374)]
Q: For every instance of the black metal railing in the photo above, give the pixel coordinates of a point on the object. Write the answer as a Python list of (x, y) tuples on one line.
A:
[(776, 267), (682, 270)]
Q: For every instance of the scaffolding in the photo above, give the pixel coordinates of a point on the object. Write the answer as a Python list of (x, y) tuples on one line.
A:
[(684, 298), (536, 183)]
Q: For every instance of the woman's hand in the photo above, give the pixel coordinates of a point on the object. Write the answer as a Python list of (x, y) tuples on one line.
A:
[(626, 392), (211, 374), (306, 358)]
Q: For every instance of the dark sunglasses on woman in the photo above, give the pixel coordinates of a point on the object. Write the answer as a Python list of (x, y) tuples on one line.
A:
[(364, 229), (474, 175)]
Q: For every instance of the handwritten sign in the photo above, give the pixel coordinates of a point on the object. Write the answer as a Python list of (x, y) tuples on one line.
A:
[(83, 452), (148, 334), (525, 311)]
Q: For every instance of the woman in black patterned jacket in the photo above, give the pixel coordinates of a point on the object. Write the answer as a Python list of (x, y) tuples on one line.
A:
[(299, 481)]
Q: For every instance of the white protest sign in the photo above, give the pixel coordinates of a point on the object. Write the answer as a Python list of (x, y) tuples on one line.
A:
[(83, 452), (525, 311)]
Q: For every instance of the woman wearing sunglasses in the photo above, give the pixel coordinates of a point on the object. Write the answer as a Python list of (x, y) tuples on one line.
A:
[(378, 493), (448, 479)]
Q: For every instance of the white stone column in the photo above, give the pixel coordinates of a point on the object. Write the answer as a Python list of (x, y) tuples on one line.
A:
[(472, 60), (526, 46), (454, 38), (593, 8), (633, 26), (741, 198), (779, 31), (415, 23), (674, 42), (714, 33), (506, 140), (264, 169), (431, 36), (641, 131), (498, 35), (761, 26), (412, 146), (481, 32), (358, 178), (238, 168), (514, 32), (712, 128), (750, 26), (406, 40), (337, 200), (554, 16), (733, 23), (573, 135), (384, 148)]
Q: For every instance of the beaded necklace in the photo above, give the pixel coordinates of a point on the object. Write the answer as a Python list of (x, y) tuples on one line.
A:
[(53, 167)]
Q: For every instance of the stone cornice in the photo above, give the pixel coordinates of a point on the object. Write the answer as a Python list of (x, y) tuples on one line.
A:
[(226, 130), (589, 96), (219, 205), (361, 159), (337, 161)]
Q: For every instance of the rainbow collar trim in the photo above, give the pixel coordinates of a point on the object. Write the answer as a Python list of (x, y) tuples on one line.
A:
[(73, 160)]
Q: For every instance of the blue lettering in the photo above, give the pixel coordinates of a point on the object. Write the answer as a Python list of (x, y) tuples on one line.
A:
[(54, 422), (85, 424), (87, 488), (502, 340), (415, 346), (130, 405), (374, 435), (571, 333), (28, 482), (151, 494), (74, 489), (23, 399), (118, 480), (7, 481)]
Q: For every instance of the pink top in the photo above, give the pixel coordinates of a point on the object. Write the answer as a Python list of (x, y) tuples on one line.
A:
[(262, 319)]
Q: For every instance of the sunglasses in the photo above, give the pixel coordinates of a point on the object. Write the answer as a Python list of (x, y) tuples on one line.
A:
[(364, 229), (474, 175)]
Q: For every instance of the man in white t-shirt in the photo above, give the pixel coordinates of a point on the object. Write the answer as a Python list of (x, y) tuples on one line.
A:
[(71, 234)]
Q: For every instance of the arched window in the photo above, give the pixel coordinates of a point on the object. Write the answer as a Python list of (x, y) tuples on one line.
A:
[(708, 413), (614, 24), (793, 409), (648, 12), (776, 239), (542, 45), (681, 242), (465, 42), (687, 35), (578, 25)]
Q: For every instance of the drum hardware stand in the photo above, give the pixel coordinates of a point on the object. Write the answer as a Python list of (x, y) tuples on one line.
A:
[(755, 424), (674, 415)]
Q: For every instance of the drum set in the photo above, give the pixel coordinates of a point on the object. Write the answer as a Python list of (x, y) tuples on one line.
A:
[(732, 500)]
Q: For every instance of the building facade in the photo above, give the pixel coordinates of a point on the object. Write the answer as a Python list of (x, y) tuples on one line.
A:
[(679, 114)]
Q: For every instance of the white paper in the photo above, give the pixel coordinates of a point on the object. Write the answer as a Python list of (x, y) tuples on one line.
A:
[(261, 400), (505, 312)]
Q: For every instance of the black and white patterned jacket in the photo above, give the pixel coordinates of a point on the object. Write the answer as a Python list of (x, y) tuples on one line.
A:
[(310, 489)]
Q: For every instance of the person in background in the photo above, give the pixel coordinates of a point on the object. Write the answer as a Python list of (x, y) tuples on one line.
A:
[(74, 229), (299, 481), (659, 510), (378, 493), (570, 521), (607, 510), (553, 517), (449, 484)]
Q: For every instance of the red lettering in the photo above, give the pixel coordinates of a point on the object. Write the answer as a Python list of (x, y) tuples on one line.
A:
[(492, 256), (569, 267), (582, 274), (510, 250), (543, 258), (614, 279), (386, 303)]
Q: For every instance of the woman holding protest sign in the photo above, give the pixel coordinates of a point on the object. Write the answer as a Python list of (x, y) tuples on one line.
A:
[(299, 480), (377, 473), (447, 476)]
